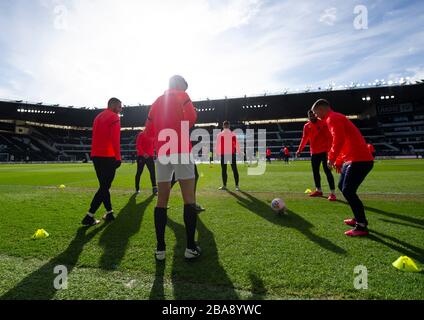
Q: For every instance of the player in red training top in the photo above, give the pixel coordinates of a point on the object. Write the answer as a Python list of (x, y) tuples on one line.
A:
[(106, 156), (268, 155), (227, 148), (316, 133), (349, 145), (169, 121), (286, 154), (145, 155)]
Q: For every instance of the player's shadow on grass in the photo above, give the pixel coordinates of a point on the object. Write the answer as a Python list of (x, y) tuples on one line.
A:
[(398, 245), (203, 278), (116, 237), (258, 288), (158, 288), (402, 224), (419, 222), (293, 220), (39, 285)]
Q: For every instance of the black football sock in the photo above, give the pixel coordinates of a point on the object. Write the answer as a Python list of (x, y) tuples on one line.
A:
[(161, 219), (190, 221)]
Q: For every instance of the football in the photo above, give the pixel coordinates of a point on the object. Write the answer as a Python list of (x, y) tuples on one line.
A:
[(278, 205)]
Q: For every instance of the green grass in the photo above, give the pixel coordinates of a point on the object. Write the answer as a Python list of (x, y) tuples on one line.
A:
[(249, 252)]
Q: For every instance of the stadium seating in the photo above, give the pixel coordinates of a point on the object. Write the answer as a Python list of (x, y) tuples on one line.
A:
[(395, 128)]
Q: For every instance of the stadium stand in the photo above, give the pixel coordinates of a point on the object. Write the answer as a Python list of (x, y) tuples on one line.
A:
[(391, 118)]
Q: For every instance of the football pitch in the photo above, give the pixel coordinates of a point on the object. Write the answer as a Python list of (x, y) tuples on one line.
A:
[(248, 251)]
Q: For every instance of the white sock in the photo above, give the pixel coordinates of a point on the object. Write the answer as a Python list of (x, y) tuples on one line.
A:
[(111, 211), (90, 214), (319, 189), (333, 192)]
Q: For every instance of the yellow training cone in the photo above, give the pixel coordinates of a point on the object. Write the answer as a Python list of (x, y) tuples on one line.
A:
[(308, 190), (406, 264), (40, 234), (62, 186)]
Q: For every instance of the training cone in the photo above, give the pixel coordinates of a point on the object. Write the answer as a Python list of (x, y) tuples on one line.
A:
[(40, 234), (406, 264), (308, 191), (62, 186)]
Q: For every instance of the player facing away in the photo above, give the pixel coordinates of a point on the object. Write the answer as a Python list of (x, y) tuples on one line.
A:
[(286, 154), (316, 133), (106, 156), (145, 155), (268, 155), (349, 145), (227, 148), (169, 121)]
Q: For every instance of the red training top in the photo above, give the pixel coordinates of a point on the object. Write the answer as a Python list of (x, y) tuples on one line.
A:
[(318, 136), (268, 152), (347, 139), (106, 141), (170, 119), (226, 143), (286, 151), (144, 145)]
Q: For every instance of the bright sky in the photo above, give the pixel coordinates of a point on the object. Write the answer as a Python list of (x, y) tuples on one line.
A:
[(82, 52)]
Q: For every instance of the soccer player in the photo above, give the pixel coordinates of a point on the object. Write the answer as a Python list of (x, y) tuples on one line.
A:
[(281, 154), (286, 155), (169, 120), (316, 133), (268, 155), (145, 154), (106, 156), (348, 144), (227, 147)]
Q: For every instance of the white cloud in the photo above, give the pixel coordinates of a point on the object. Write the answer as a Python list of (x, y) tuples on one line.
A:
[(130, 49)]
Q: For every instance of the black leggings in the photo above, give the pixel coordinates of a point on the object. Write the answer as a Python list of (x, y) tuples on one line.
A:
[(105, 171), (141, 162), (316, 161), (224, 160), (351, 178)]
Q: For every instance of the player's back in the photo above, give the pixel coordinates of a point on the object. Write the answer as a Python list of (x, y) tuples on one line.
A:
[(102, 143)]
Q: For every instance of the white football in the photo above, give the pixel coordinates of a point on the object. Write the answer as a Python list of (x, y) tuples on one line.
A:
[(278, 205)]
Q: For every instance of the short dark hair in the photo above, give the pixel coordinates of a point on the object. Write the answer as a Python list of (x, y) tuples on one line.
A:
[(321, 103), (226, 123), (113, 101)]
